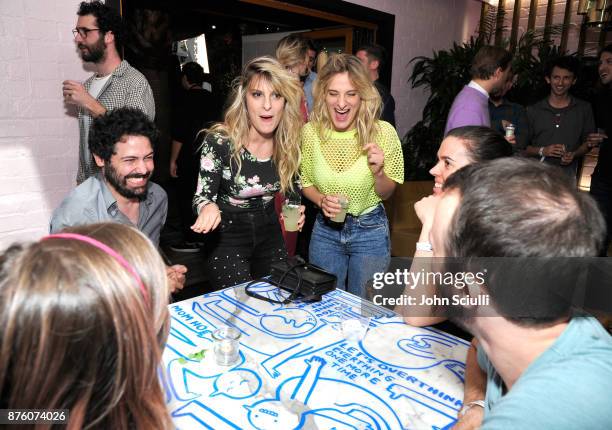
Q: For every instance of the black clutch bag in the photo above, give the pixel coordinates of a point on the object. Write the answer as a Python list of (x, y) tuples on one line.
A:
[(304, 281)]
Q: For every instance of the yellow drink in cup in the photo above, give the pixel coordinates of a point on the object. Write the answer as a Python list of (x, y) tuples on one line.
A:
[(291, 214), (340, 216)]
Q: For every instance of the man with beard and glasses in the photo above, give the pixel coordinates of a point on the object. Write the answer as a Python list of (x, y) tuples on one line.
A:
[(122, 143), (99, 35), (537, 361)]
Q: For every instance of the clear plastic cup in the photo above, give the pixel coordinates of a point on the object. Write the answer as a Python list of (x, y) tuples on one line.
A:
[(341, 216), (355, 329), (226, 345), (291, 214)]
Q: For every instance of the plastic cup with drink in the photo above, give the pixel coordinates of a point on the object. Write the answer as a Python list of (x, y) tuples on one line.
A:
[(344, 203), (291, 213)]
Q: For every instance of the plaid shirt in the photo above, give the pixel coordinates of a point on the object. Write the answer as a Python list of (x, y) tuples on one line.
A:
[(515, 114), (126, 87)]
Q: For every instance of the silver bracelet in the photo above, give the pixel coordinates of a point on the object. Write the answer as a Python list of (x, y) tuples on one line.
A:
[(470, 405), (424, 246)]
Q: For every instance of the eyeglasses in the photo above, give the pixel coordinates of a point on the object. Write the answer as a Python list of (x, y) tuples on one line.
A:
[(83, 32)]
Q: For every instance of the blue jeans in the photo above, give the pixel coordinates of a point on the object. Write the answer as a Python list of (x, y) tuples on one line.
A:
[(353, 252)]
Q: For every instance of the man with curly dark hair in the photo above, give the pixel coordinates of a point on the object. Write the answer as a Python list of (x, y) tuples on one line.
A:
[(122, 143), (99, 36)]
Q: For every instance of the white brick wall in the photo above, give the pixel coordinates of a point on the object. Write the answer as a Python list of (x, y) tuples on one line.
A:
[(422, 26), (39, 136)]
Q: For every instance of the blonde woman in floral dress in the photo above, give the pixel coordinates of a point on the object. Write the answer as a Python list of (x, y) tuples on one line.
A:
[(245, 161)]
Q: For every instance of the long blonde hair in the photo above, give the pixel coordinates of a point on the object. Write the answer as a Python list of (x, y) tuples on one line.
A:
[(79, 334), (371, 103), (286, 154), (292, 50)]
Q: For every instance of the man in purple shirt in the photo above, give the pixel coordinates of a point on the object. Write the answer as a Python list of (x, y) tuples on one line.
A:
[(490, 71)]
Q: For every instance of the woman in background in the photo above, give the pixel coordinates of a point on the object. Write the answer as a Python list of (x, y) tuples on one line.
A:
[(245, 161), (348, 152), (292, 54), (84, 319)]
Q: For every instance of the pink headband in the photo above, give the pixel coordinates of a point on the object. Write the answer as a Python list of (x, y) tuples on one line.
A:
[(107, 249)]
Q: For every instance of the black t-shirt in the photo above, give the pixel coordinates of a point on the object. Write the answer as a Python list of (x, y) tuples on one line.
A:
[(194, 112), (602, 107), (388, 103)]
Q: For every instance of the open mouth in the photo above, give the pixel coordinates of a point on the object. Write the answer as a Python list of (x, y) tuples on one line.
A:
[(437, 188), (341, 115), (137, 182), (266, 118)]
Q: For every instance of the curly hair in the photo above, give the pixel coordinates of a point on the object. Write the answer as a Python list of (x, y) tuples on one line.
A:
[(110, 128), (107, 20), (371, 103), (286, 154)]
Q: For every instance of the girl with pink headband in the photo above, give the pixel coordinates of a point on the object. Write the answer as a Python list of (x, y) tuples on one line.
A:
[(83, 317)]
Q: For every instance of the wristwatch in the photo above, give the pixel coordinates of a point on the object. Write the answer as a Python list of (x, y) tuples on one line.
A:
[(470, 405), (541, 151)]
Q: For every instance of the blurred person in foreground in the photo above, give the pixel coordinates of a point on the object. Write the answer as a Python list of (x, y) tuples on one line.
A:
[(536, 362), (84, 322)]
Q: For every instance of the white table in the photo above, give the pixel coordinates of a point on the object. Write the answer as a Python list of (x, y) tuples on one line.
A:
[(296, 371)]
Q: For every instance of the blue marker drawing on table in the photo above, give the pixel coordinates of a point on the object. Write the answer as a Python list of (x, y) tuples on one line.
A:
[(282, 380), (301, 403)]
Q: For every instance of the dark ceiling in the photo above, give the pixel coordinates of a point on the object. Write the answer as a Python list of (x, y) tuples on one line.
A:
[(189, 17)]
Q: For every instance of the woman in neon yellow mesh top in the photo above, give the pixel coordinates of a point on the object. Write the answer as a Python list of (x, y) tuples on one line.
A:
[(347, 151)]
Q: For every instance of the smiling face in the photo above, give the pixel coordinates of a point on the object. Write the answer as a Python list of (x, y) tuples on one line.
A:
[(264, 106), (605, 67), (560, 81), (452, 156), (130, 166), (343, 102)]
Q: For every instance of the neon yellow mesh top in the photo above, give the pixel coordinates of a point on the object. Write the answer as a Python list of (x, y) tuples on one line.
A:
[(339, 166)]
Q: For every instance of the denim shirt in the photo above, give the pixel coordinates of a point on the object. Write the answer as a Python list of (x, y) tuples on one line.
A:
[(93, 202)]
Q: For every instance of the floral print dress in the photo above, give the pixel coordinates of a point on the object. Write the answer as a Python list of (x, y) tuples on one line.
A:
[(254, 187)]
